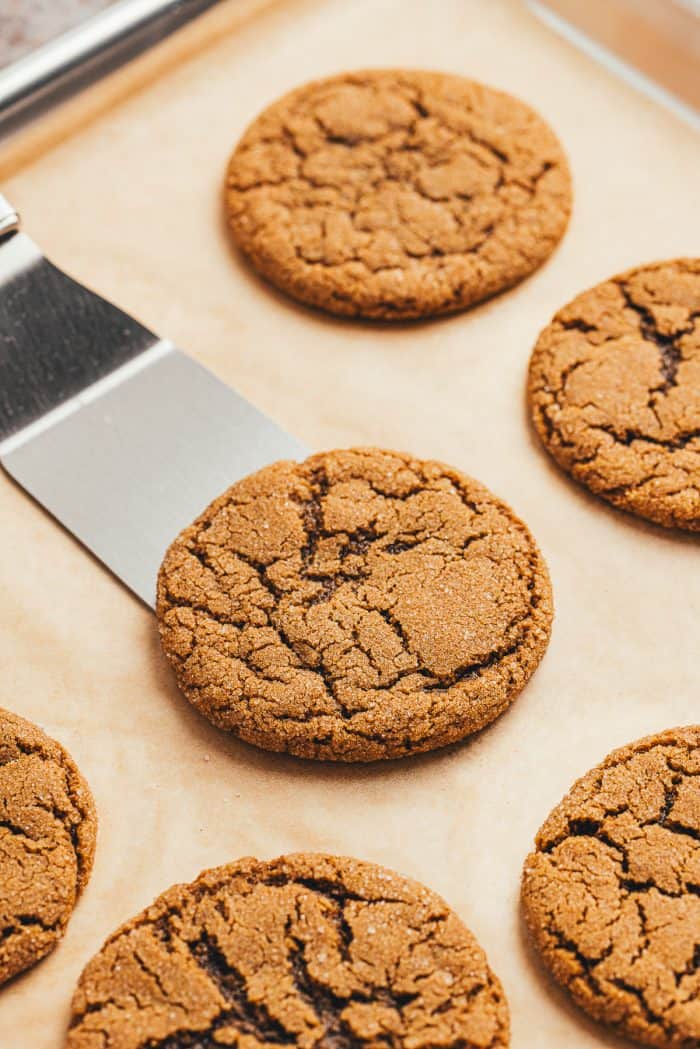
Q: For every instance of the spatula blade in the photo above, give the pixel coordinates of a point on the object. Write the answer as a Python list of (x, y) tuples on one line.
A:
[(121, 436)]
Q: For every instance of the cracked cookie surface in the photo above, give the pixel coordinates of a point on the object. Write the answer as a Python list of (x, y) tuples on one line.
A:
[(614, 386), (612, 893), (359, 605), (47, 842), (311, 951), (397, 194)]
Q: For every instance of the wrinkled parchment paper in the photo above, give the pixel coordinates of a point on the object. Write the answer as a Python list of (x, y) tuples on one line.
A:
[(131, 206)]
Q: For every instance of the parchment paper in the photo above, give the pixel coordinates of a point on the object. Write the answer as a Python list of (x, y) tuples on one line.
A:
[(131, 205)]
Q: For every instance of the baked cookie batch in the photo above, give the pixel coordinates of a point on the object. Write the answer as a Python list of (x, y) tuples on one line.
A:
[(611, 894), (614, 386), (359, 605), (48, 827), (397, 194), (366, 604), (300, 951)]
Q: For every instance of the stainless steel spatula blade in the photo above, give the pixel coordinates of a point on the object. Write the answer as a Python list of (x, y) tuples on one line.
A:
[(120, 435)]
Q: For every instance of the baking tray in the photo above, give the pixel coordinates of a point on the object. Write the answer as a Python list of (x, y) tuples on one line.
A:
[(131, 204), (87, 51)]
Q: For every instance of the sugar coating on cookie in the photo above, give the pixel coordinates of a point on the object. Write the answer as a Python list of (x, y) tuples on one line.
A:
[(611, 893), (396, 193), (362, 604), (47, 842), (306, 951), (614, 387)]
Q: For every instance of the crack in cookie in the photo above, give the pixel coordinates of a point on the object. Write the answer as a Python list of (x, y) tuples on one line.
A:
[(397, 194), (611, 893), (359, 605), (47, 842), (614, 387), (310, 951)]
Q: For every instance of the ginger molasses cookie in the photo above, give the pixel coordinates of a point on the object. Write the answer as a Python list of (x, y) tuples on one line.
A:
[(397, 193), (47, 842), (306, 951), (359, 605), (615, 391), (612, 892)]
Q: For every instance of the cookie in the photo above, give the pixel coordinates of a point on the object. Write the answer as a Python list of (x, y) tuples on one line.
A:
[(47, 842), (305, 950), (612, 892), (614, 387), (359, 605), (397, 193)]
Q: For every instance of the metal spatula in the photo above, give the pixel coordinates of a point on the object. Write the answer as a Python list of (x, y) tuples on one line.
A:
[(119, 434)]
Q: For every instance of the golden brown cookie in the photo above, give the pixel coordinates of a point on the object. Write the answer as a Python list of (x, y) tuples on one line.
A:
[(359, 605), (307, 951), (612, 893), (615, 391), (397, 193), (47, 842)]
